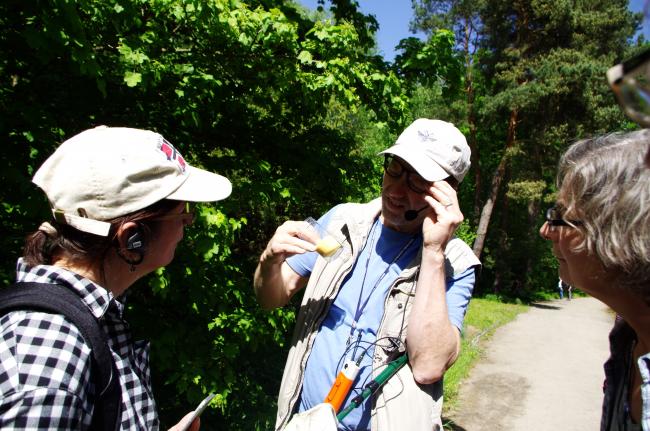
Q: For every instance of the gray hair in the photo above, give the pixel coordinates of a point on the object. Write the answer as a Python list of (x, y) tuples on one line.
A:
[(604, 182)]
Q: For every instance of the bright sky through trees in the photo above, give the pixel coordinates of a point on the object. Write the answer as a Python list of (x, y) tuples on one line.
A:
[(394, 17)]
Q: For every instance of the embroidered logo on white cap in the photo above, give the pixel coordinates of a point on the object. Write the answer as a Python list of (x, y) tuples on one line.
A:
[(172, 155)]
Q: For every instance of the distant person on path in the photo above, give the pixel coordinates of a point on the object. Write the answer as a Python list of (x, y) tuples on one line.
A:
[(402, 281), (600, 231), (560, 288), (119, 199)]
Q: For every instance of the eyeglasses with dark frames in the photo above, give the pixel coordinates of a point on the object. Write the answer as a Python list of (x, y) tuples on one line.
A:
[(630, 82), (187, 216), (394, 168), (554, 218)]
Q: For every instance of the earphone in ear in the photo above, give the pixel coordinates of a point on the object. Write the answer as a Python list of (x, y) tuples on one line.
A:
[(135, 242)]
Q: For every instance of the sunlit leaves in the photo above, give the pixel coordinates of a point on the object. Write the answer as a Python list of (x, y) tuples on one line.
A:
[(244, 89), (132, 78), (431, 62), (526, 191)]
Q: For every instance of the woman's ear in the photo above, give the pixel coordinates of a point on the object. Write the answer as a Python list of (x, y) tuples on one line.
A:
[(135, 241), (130, 236), (130, 244), (127, 235)]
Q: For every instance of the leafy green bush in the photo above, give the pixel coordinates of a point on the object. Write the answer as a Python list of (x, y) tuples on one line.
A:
[(243, 89)]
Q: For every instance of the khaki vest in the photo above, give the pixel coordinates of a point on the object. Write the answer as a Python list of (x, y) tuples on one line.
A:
[(401, 404)]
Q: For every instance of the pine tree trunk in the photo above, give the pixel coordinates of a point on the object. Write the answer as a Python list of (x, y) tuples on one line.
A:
[(471, 118), (486, 213)]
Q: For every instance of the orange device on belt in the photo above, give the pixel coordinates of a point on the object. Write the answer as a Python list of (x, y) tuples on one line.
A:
[(342, 385)]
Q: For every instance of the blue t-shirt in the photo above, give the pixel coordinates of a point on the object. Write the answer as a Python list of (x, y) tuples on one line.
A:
[(349, 329)]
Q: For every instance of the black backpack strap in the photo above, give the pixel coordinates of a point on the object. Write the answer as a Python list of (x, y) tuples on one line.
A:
[(56, 299)]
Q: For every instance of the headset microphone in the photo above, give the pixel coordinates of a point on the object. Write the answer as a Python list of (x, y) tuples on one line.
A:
[(411, 215)]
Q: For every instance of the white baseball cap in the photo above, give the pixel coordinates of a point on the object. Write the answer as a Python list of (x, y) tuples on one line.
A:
[(108, 172), (436, 149)]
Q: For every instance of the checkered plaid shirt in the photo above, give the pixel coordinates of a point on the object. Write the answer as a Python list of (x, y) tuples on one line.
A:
[(45, 381)]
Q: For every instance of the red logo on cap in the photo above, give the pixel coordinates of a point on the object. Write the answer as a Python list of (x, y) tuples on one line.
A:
[(172, 154)]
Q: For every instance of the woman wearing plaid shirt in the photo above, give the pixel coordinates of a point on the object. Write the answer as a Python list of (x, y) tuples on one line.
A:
[(600, 230), (119, 200)]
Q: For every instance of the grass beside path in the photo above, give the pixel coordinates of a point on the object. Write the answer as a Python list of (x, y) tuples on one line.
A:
[(483, 317)]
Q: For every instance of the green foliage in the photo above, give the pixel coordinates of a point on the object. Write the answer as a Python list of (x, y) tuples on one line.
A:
[(249, 90), (525, 191), (365, 25), (465, 232), (293, 109), (541, 63), (547, 65), (431, 63), (460, 16)]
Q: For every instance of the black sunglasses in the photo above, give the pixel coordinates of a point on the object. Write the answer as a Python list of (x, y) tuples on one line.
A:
[(554, 218)]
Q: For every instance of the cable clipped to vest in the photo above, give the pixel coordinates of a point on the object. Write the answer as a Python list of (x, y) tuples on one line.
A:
[(343, 383), (374, 384)]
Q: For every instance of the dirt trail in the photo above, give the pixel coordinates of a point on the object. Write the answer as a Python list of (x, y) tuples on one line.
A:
[(543, 371)]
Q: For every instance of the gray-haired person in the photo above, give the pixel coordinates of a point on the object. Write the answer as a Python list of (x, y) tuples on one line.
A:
[(600, 231)]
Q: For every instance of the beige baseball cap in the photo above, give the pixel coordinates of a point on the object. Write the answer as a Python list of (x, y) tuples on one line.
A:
[(108, 172), (436, 149)]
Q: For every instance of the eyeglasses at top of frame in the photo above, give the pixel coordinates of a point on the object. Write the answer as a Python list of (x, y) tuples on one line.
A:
[(630, 82)]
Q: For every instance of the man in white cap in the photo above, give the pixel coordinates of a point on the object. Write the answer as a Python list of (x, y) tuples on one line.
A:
[(400, 282), (120, 201)]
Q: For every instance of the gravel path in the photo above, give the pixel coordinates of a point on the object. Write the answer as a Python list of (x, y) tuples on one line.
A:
[(543, 371)]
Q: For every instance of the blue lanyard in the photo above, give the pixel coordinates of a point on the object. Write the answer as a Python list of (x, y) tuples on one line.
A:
[(360, 306)]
